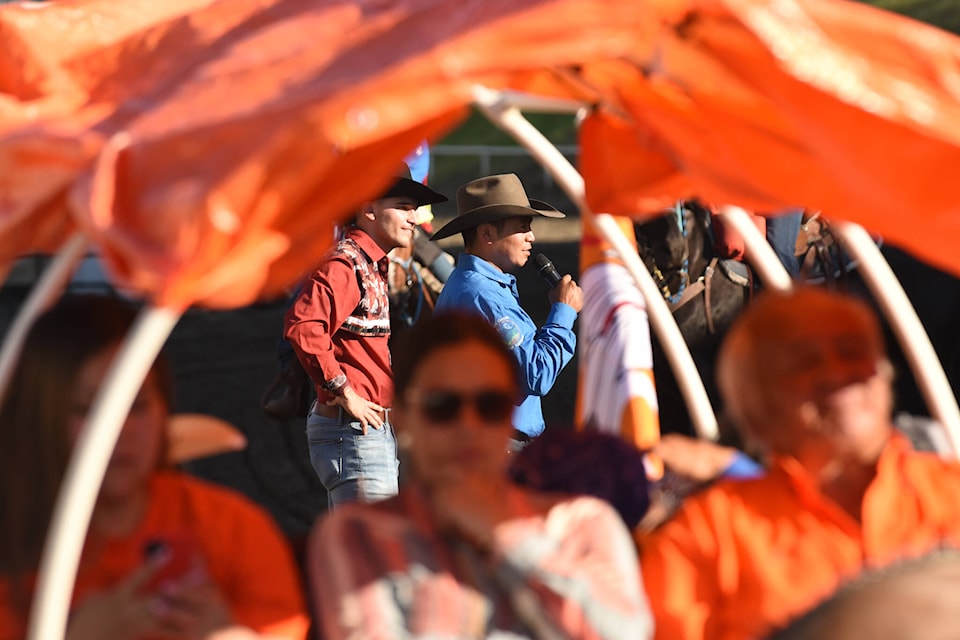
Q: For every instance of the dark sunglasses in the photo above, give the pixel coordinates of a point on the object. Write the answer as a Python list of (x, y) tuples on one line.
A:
[(492, 405)]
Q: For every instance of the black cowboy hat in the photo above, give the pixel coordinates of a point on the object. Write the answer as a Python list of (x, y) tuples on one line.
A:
[(493, 198), (406, 187)]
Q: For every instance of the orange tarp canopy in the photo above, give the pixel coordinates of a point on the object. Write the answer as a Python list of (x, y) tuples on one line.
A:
[(206, 147)]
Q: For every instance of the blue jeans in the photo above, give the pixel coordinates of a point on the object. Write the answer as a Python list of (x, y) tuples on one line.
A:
[(353, 467)]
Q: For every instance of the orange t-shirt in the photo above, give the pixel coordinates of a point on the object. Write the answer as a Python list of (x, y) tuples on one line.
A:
[(245, 555), (745, 557)]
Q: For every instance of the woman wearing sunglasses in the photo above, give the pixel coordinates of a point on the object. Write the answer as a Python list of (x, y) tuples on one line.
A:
[(461, 552)]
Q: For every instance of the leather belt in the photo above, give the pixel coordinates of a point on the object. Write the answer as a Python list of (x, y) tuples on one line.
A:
[(336, 411)]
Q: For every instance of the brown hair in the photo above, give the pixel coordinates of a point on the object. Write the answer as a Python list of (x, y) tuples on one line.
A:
[(886, 601), (445, 329), (34, 415)]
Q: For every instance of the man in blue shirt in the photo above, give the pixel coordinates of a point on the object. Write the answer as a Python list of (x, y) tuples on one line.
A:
[(494, 216)]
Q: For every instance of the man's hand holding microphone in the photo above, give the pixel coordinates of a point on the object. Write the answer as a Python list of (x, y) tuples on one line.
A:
[(563, 288)]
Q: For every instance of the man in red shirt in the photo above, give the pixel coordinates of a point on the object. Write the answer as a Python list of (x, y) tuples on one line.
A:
[(804, 377), (339, 326)]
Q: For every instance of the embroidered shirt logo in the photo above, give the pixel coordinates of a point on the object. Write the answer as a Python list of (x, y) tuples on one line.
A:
[(510, 332)]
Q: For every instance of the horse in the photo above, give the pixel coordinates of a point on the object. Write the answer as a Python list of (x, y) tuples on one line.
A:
[(705, 291)]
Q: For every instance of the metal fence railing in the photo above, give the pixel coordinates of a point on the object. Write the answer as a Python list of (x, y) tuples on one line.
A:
[(454, 165)]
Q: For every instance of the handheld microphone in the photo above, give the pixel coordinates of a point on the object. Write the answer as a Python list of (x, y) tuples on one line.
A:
[(547, 270)]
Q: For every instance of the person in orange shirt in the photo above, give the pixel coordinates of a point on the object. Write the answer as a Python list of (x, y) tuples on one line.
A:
[(166, 556), (806, 381)]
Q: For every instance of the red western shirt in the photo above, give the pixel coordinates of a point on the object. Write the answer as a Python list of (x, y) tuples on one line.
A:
[(340, 323)]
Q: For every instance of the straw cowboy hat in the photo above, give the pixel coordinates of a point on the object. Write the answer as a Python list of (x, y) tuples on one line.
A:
[(406, 187), (493, 198)]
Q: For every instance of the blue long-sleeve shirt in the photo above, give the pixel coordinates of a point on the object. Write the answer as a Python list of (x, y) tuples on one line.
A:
[(476, 285)]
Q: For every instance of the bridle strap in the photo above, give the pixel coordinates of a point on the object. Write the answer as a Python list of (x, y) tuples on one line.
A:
[(702, 285)]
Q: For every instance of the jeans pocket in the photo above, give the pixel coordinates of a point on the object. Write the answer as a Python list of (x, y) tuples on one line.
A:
[(326, 456)]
